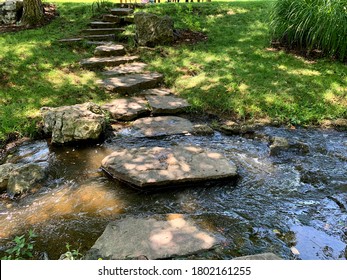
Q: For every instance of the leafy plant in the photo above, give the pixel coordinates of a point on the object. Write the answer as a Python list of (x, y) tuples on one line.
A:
[(23, 248), (71, 254), (312, 24), (100, 6)]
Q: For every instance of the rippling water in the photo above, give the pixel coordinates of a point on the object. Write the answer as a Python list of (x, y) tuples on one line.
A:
[(278, 202)]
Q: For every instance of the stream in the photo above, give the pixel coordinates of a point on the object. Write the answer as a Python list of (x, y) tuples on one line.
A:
[(292, 204)]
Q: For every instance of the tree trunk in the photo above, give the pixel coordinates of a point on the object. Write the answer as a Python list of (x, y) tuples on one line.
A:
[(33, 12)]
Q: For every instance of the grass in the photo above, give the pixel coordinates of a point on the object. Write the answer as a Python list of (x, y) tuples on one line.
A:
[(234, 74)]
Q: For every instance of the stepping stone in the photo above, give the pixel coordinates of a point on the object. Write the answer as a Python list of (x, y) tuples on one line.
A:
[(156, 91), (122, 11), (103, 31), (100, 62), (161, 126), (154, 237), (132, 83), (131, 68), (127, 109), (111, 18), (159, 167), (102, 24), (71, 40), (166, 104), (109, 50), (105, 37)]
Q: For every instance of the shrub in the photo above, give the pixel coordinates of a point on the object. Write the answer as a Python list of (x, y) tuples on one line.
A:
[(312, 24)]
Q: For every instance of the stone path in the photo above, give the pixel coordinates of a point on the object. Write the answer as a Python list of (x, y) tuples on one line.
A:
[(152, 111)]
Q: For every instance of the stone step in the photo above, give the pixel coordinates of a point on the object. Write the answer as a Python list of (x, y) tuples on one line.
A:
[(103, 31), (155, 91), (111, 18), (101, 62), (127, 109), (109, 50), (105, 37), (158, 167), (71, 40), (167, 104), (122, 11), (130, 68), (132, 83), (102, 24)]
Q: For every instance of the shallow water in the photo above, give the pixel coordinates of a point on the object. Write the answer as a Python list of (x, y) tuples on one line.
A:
[(278, 202)]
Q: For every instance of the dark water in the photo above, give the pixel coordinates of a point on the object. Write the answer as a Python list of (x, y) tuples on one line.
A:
[(279, 202)]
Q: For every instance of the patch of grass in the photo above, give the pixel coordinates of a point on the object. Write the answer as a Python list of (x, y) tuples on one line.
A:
[(233, 74), (237, 74)]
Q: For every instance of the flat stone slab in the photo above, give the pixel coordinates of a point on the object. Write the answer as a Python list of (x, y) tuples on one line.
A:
[(109, 50), (71, 40), (111, 18), (156, 237), (166, 104), (102, 31), (158, 167), (161, 126), (130, 68), (102, 24), (156, 91), (104, 37), (122, 11), (131, 83), (127, 109), (100, 62)]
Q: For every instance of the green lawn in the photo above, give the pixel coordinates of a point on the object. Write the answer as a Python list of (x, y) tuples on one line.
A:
[(234, 74)]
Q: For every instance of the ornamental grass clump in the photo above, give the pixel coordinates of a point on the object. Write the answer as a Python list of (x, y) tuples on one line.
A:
[(312, 24)]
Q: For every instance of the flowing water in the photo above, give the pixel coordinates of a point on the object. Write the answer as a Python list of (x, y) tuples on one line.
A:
[(291, 200)]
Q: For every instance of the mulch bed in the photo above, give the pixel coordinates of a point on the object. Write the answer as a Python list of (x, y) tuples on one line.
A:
[(50, 14)]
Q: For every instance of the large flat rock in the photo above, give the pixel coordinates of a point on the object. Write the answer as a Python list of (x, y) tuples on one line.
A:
[(122, 11), (127, 109), (166, 104), (129, 68), (131, 83), (161, 126), (157, 167), (155, 91), (102, 31), (102, 24), (156, 237), (109, 50), (100, 62)]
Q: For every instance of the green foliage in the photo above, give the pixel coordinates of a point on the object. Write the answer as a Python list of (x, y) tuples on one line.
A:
[(23, 247), (312, 24), (100, 6), (71, 254)]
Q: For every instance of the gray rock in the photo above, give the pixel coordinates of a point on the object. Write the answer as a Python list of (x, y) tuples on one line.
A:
[(122, 11), (153, 30), (265, 256), (166, 104), (5, 172), (72, 123), (202, 129), (102, 24), (161, 126), (109, 50), (127, 109), (158, 167), (100, 62), (24, 178), (103, 31), (9, 10), (156, 237), (281, 144), (156, 91), (129, 68), (131, 83)]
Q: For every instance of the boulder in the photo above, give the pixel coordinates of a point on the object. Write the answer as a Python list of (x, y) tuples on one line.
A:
[(158, 167), (10, 11), (5, 171), (73, 123), (279, 145), (155, 237), (153, 30), (24, 178)]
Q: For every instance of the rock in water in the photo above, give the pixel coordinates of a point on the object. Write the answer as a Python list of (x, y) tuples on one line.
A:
[(73, 123), (159, 167), (5, 172), (153, 30), (264, 256), (24, 178), (156, 237)]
